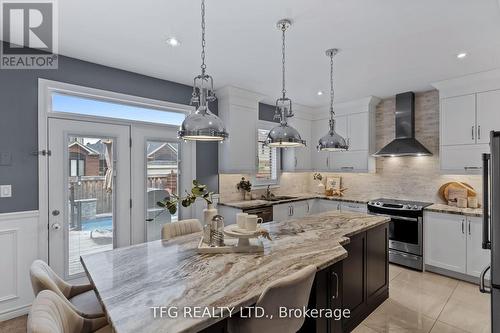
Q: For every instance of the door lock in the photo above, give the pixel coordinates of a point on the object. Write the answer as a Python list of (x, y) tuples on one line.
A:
[(55, 212), (56, 226)]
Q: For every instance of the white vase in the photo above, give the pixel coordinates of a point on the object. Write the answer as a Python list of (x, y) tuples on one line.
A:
[(248, 195), (208, 214), (320, 188)]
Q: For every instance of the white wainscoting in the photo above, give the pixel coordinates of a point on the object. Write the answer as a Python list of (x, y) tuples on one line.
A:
[(18, 249)]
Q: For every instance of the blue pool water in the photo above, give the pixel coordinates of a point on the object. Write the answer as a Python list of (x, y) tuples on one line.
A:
[(102, 223)]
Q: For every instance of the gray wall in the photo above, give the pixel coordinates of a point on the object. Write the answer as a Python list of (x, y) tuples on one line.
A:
[(19, 121)]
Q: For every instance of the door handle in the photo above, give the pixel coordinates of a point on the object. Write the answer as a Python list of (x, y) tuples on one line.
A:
[(295, 161), (482, 287), (55, 212), (327, 161), (472, 132), (463, 231), (479, 132), (56, 226), (469, 228), (336, 285)]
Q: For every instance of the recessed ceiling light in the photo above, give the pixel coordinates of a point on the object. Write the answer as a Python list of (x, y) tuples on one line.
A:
[(172, 41), (319, 93), (461, 55)]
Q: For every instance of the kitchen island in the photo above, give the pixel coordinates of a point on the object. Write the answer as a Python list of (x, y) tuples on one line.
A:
[(132, 281)]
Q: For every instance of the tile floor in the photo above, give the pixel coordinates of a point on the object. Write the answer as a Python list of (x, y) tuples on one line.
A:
[(418, 302), (427, 302)]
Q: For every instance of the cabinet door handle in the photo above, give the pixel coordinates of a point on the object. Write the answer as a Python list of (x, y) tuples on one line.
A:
[(472, 132), (479, 132), (469, 228), (293, 211), (295, 161), (308, 208), (472, 168), (463, 229), (327, 161), (347, 168), (336, 285)]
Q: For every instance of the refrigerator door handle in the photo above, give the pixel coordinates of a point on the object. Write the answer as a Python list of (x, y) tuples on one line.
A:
[(482, 287), (486, 207)]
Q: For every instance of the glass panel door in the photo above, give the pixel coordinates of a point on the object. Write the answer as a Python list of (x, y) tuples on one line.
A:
[(162, 179), (89, 191)]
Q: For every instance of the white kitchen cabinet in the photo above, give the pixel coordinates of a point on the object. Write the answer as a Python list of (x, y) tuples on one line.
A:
[(458, 120), (281, 212), (488, 115), (454, 242), (292, 210), (238, 109), (353, 207), (445, 241), (327, 205), (477, 257), (350, 161), (299, 159), (358, 132), (463, 158)]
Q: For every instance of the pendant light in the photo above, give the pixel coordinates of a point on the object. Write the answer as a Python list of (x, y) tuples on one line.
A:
[(332, 141), (203, 125), (284, 135)]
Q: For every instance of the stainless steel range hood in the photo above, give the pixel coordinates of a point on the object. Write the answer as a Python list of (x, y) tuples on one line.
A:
[(405, 143)]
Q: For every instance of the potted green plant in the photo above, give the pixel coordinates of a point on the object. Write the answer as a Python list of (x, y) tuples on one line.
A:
[(245, 187), (197, 191)]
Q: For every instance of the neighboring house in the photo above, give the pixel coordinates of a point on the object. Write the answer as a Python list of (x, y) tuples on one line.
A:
[(162, 166), (83, 160)]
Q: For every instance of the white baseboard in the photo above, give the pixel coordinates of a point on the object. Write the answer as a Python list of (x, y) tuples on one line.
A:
[(16, 312)]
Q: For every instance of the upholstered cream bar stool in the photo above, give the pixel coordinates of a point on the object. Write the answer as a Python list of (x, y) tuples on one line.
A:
[(82, 297), (291, 292), (52, 314), (180, 228)]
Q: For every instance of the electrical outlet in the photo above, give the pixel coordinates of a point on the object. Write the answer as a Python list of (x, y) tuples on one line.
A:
[(5, 191)]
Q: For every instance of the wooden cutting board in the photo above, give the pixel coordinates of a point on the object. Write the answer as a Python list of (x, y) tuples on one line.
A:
[(445, 189)]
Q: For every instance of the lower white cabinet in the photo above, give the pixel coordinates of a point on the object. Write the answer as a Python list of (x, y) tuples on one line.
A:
[(327, 205), (453, 242), (292, 210), (353, 207)]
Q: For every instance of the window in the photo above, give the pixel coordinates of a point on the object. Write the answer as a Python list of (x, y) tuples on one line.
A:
[(267, 168)]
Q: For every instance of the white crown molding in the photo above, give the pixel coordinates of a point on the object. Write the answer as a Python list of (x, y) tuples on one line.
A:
[(364, 104), (239, 96), (469, 84)]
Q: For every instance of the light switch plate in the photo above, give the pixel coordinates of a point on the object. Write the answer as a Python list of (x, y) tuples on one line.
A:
[(5, 191)]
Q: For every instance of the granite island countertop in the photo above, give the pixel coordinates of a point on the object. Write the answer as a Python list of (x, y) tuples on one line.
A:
[(131, 280), (258, 203)]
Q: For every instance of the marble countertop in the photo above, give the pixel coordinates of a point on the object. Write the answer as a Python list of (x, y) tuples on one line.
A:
[(131, 280), (251, 204), (442, 208)]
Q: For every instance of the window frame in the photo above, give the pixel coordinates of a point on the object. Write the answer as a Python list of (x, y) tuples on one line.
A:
[(258, 183)]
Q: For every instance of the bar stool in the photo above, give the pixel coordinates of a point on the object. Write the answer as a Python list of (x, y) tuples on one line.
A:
[(81, 297), (180, 228), (52, 314), (291, 292)]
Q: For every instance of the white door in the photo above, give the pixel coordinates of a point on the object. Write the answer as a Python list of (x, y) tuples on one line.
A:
[(157, 160), (477, 258), (488, 115), (89, 191), (445, 241), (458, 120)]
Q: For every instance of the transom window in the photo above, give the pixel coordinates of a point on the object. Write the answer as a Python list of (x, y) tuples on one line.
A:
[(267, 168)]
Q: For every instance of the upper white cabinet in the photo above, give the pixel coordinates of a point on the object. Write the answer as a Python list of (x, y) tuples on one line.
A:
[(488, 115), (458, 120), (355, 121), (299, 159), (469, 110), (239, 109)]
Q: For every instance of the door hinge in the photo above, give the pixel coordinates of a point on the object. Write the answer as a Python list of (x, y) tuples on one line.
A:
[(42, 153)]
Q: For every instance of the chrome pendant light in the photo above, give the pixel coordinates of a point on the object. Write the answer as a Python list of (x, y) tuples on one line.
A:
[(203, 125), (284, 135), (332, 141)]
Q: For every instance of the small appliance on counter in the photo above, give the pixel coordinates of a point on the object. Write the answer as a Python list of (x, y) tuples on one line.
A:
[(405, 229)]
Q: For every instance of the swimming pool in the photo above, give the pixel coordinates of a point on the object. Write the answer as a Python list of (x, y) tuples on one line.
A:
[(102, 223)]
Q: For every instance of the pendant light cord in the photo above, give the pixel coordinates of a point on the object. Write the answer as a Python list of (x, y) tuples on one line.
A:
[(203, 42), (283, 49), (332, 91)]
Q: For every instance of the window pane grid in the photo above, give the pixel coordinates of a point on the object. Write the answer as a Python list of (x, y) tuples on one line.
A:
[(267, 159)]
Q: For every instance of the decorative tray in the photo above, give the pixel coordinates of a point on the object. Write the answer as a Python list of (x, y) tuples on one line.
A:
[(237, 241)]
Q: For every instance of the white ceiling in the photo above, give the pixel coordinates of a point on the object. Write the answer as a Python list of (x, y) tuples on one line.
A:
[(388, 46)]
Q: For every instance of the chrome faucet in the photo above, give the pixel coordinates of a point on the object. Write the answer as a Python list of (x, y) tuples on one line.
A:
[(268, 195)]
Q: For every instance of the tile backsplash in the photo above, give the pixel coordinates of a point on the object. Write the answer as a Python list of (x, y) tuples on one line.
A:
[(411, 178)]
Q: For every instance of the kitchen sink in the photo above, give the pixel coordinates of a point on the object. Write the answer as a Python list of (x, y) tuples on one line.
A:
[(279, 198)]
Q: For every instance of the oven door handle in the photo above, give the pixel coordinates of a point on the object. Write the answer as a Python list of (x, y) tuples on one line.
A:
[(412, 219)]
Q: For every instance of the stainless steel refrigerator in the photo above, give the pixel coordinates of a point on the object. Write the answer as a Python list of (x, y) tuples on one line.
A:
[(491, 226)]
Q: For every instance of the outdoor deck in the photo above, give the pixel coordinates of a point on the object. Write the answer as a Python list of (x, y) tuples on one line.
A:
[(80, 243)]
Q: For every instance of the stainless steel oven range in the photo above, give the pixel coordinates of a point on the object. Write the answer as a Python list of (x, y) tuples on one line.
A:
[(405, 229)]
